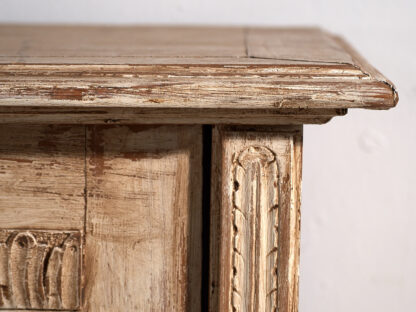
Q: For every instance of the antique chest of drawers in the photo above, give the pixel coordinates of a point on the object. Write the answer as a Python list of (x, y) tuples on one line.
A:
[(159, 168)]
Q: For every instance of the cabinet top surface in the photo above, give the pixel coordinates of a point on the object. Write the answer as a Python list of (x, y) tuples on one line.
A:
[(186, 67)]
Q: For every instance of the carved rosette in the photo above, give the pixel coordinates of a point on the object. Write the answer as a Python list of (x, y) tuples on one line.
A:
[(39, 269), (255, 237)]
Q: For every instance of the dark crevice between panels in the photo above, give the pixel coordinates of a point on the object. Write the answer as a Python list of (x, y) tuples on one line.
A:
[(206, 216)]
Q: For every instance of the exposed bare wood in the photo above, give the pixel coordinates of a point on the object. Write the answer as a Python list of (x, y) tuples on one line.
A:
[(69, 288), (42, 176), (32, 270), (101, 162), (158, 68), (367, 67), (143, 240), (295, 44), (89, 42), (255, 204), (192, 86), (255, 239)]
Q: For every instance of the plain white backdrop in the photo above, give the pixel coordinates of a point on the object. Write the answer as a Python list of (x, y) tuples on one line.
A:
[(358, 250)]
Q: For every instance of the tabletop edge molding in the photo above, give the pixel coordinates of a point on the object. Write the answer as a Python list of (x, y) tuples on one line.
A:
[(177, 68)]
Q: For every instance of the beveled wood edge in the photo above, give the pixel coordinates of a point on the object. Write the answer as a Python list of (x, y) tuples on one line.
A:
[(366, 67), (264, 81), (244, 86)]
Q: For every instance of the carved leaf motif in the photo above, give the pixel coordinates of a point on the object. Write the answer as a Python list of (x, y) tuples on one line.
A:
[(4, 276), (69, 276), (39, 269), (52, 278), (255, 219), (35, 276), (21, 247)]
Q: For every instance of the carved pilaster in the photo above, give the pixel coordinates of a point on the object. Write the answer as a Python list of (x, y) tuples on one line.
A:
[(255, 219), (255, 236)]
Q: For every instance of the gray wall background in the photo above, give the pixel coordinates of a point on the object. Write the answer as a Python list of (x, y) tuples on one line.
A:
[(359, 199)]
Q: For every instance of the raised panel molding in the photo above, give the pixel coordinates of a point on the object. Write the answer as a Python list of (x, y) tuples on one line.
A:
[(39, 269), (255, 220)]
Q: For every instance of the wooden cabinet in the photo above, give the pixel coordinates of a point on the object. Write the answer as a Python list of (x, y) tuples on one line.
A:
[(159, 168)]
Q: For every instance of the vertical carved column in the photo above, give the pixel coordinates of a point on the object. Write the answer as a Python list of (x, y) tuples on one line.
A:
[(255, 203), (255, 219)]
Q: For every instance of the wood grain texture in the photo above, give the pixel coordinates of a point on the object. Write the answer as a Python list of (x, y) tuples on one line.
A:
[(148, 116), (143, 230), (255, 204), (26, 42), (295, 44), (40, 269), (42, 176), (255, 219), (180, 68)]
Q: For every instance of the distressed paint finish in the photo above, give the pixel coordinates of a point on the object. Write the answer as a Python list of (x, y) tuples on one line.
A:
[(143, 225), (149, 200), (42, 176), (40, 269), (178, 86), (212, 73), (73, 158), (255, 219)]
